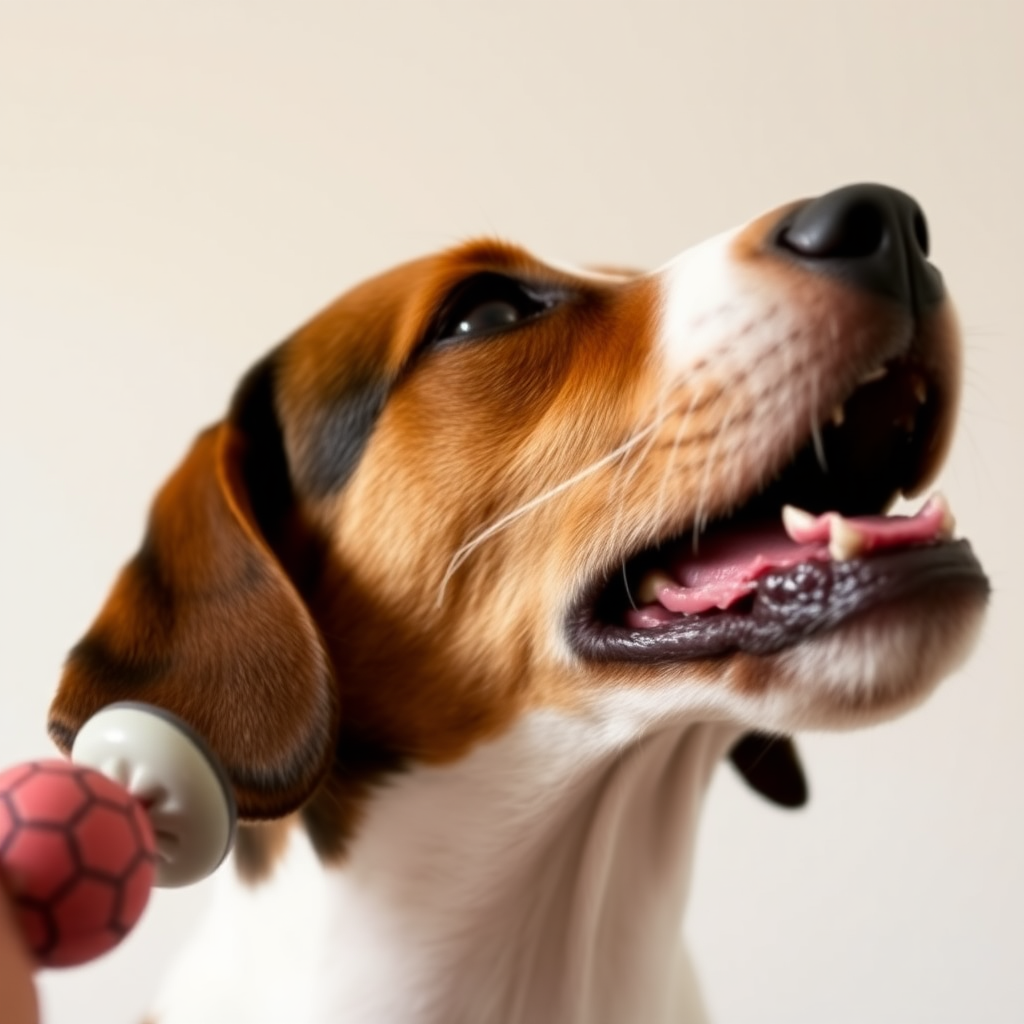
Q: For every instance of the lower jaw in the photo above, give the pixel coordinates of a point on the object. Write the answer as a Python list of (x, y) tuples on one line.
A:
[(788, 606)]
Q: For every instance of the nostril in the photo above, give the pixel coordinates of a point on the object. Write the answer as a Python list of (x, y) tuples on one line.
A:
[(852, 231), (870, 236)]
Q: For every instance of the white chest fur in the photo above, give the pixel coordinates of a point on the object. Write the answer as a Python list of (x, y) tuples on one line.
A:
[(540, 879)]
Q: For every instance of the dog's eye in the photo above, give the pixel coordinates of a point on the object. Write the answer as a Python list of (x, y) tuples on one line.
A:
[(488, 316), (487, 304)]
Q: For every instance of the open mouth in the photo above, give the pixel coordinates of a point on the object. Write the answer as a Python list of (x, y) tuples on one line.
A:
[(811, 550)]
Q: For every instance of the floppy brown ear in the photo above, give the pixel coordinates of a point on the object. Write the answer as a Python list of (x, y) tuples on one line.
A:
[(206, 621), (771, 765)]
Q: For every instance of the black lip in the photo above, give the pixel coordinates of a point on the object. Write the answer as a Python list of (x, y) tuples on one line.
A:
[(789, 606)]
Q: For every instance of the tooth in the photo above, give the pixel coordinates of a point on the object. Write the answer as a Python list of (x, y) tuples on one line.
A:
[(797, 522), (948, 522), (872, 375), (845, 540), (838, 416), (920, 390), (651, 585)]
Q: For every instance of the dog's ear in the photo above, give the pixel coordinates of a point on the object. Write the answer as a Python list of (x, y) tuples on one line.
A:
[(771, 765), (207, 620)]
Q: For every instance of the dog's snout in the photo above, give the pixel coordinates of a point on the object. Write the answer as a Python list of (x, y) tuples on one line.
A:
[(871, 236)]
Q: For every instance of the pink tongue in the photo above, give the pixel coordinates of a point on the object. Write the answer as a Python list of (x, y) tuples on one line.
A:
[(729, 563)]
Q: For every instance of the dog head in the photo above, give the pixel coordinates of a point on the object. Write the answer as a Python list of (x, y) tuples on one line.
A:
[(481, 484)]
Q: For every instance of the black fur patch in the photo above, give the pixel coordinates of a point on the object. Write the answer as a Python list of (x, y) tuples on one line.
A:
[(332, 815), (112, 671), (326, 441), (335, 435), (771, 765), (265, 465)]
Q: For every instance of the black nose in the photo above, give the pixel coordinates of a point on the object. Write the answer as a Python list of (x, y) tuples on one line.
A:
[(874, 237)]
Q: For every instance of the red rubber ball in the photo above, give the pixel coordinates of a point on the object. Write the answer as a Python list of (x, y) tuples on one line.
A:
[(78, 856)]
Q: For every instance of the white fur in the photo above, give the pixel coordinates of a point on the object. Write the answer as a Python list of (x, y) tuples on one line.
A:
[(773, 343), (542, 878), (700, 303)]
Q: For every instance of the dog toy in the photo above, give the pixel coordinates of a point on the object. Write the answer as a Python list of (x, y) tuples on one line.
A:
[(141, 803)]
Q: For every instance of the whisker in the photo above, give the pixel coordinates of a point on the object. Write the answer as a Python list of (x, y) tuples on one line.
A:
[(677, 441), (700, 520), (624, 472), (819, 445), (628, 468), (506, 520), (625, 583)]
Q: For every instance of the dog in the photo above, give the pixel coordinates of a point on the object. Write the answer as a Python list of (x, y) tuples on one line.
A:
[(493, 561)]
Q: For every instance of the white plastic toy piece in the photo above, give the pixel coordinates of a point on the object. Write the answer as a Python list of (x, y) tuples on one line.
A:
[(167, 767)]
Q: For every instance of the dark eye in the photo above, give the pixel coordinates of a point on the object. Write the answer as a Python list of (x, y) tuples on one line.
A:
[(487, 304), (488, 316)]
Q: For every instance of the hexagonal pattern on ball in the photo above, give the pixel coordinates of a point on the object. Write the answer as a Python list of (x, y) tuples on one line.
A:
[(78, 855)]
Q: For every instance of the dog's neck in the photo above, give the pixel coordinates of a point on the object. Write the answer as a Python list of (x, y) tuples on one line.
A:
[(543, 877)]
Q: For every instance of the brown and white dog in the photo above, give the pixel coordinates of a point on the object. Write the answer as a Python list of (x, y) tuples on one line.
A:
[(487, 568)]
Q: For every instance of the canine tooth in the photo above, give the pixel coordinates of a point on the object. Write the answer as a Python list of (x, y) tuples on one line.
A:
[(872, 375), (920, 390), (845, 540), (948, 521), (838, 416), (797, 522), (651, 585)]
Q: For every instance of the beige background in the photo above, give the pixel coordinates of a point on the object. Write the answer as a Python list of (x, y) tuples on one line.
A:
[(180, 184)]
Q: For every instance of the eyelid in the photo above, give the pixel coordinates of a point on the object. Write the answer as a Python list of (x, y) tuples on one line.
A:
[(480, 289)]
